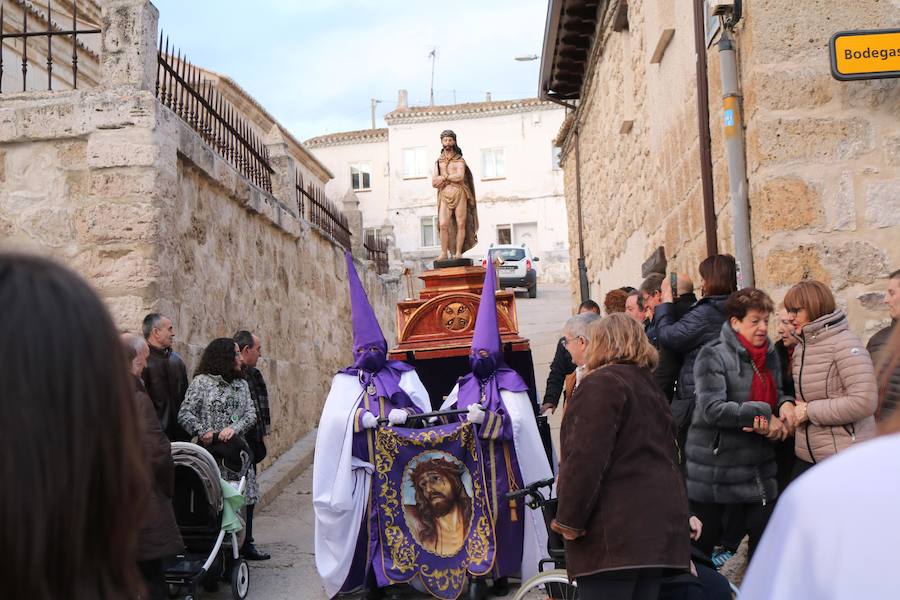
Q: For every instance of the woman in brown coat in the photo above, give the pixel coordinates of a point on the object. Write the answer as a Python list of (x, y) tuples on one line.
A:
[(834, 380), (622, 505)]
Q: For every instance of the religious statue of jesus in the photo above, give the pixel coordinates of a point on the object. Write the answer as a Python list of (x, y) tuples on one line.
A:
[(457, 213)]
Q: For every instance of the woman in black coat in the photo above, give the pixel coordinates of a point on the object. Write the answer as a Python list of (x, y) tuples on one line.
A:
[(701, 324), (622, 505)]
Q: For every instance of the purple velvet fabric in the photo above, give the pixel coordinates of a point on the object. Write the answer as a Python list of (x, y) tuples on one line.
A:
[(369, 344), (487, 337)]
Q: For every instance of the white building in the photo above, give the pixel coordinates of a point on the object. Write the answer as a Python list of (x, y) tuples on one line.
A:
[(507, 144)]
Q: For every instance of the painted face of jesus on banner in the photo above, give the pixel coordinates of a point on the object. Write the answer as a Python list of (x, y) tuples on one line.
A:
[(437, 495)]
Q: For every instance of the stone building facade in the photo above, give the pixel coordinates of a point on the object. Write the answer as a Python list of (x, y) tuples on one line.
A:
[(117, 186), (507, 144), (823, 156)]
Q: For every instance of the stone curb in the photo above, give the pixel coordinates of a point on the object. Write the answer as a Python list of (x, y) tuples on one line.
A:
[(286, 468)]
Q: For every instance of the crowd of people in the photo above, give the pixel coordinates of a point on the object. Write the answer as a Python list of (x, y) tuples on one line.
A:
[(686, 429), (685, 408), (77, 486)]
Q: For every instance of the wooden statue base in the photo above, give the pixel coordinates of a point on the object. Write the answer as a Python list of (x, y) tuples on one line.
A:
[(453, 262), (440, 323)]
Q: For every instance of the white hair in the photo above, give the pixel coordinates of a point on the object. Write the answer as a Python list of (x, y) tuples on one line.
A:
[(579, 325)]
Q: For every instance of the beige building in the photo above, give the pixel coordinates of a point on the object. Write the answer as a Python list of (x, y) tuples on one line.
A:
[(822, 156), (507, 144)]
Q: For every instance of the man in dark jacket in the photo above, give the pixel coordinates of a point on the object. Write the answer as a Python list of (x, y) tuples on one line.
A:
[(159, 537), (165, 376), (562, 365), (878, 347), (666, 373), (251, 350)]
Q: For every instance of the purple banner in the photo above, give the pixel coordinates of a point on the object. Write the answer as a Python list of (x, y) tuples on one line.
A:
[(434, 520)]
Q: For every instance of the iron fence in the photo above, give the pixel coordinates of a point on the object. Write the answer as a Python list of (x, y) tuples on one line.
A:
[(377, 251), (52, 31), (182, 87), (322, 212)]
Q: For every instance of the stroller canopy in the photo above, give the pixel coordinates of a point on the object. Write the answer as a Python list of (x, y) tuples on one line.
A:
[(204, 465)]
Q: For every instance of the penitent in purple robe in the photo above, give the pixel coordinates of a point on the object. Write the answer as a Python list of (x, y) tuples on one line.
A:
[(492, 384)]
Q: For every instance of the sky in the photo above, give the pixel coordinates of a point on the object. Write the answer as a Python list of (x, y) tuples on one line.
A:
[(315, 65)]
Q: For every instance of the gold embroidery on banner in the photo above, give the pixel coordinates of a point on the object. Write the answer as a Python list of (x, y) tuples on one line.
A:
[(404, 554)]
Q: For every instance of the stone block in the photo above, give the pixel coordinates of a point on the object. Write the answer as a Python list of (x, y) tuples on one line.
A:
[(117, 271), (872, 300), (122, 182), (785, 267), (854, 262), (892, 150), (41, 219), (120, 149), (798, 32), (128, 43), (788, 140), (127, 311), (785, 203), (790, 88), (883, 203), (840, 206), (117, 222)]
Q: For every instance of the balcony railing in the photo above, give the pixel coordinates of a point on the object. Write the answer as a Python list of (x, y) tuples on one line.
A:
[(377, 251)]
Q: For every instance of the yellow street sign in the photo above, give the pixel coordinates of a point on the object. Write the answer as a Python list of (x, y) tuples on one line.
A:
[(871, 54)]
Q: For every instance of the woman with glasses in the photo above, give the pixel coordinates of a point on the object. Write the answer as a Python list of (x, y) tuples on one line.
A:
[(834, 380)]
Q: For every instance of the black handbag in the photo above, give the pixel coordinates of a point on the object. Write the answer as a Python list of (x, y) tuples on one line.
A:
[(257, 447)]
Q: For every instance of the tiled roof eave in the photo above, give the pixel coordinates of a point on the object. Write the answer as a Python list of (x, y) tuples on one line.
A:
[(399, 118)]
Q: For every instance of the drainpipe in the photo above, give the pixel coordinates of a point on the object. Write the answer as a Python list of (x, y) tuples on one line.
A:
[(582, 268), (737, 159), (706, 180)]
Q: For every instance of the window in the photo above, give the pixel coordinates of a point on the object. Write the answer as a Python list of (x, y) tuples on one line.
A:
[(508, 253), (429, 226), (504, 234), (414, 163), (361, 176), (556, 152), (372, 233), (492, 165)]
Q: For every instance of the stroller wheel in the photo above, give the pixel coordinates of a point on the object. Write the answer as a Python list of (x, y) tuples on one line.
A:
[(240, 579)]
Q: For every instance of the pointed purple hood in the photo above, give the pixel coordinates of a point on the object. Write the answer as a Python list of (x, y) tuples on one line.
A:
[(370, 348), (489, 373)]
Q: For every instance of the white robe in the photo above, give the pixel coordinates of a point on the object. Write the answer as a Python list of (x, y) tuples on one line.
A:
[(835, 531), (533, 465), (341, 482)]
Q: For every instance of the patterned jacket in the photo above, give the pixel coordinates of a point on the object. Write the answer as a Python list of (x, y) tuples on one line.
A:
[(212, 404)]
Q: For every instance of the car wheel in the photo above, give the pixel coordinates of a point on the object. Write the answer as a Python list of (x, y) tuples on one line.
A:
[(532, 291)]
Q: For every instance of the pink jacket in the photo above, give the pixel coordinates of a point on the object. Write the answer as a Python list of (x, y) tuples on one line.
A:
[(834, 373)]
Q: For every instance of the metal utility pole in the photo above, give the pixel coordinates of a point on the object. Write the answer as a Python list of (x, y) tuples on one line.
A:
[(736, 158), (375, 102), (583, 286), (706, 178), (433, 56)]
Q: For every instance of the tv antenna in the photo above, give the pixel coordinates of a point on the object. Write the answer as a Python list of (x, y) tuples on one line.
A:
[(433, 56)]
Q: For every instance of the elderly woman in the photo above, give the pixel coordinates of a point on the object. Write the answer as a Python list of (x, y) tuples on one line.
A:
[(730, 450), (833, 376), (218, 403), (622, 506)]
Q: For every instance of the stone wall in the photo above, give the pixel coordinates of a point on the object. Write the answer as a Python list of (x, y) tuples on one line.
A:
[(116, 186), (823, 166)]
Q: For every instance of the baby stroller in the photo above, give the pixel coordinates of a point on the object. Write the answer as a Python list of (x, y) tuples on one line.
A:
[(211, 553)]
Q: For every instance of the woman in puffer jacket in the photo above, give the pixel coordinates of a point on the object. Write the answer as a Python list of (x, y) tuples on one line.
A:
[(834, 380), (731, 468)]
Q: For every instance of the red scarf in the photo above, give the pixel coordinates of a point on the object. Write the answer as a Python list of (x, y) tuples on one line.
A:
[(763, 387)]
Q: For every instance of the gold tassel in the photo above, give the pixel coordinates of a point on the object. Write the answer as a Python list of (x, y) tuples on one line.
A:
[(513, 486)]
